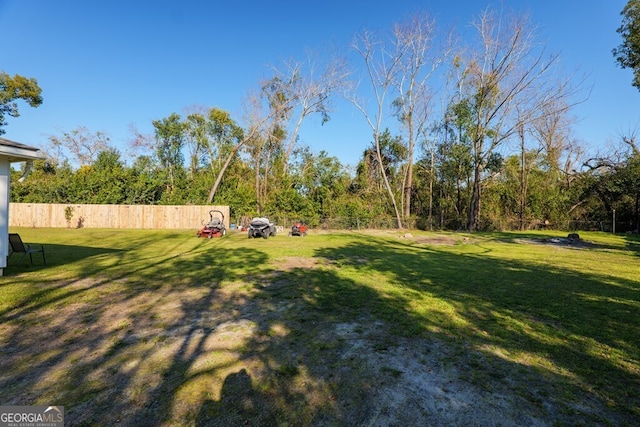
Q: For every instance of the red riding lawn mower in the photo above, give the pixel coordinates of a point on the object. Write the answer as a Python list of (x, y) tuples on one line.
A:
[(298, 229), (213, 228)]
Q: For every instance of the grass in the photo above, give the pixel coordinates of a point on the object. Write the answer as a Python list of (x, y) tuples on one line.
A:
[(135, 327)]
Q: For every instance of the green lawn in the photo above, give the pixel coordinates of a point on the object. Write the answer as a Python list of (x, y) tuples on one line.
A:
[(145, 327)]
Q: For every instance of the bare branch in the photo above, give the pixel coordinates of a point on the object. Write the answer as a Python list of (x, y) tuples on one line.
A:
[(309, 90)]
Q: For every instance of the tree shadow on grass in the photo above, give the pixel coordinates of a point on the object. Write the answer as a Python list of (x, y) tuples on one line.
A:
[(633, 243), (492, 313), (215, 332), (314, 373), (99, 267), (503, 320), (113, 348), (31, 289), (240, 404), (522, 312), (56, 255)]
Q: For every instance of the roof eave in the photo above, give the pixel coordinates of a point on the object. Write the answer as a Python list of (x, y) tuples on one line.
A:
[(17, 152), (21, 155)]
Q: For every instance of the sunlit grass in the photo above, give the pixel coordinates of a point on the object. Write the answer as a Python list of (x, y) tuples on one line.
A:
[(143, 306)]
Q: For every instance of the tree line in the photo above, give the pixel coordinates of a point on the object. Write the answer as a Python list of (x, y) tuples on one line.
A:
[(469, 134)]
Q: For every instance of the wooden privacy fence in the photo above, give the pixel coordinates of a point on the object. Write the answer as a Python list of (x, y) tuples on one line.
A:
[(111, 216)]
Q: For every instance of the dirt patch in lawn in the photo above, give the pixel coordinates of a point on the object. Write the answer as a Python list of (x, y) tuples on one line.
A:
[(440, 240), (420, 237), (292, 262), (561, 242)]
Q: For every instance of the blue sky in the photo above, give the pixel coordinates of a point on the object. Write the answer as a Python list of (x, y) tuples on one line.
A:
[(107, 65)]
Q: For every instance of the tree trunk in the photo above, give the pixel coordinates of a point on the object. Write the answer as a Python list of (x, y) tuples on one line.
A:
[(408, 189), (257, 183), (387, 185), (409, 181), (523, 178), (431, 192), (227, 162), (637, 214), (474, 210)]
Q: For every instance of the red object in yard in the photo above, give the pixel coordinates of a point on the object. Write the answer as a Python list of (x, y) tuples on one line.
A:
[(214, 228), (298, 229)]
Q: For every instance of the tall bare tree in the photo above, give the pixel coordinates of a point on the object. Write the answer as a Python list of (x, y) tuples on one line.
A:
[(505, 79), (383, 63), (307, 87), (80, 145), (552, 131), (420, 60), (267, 147)]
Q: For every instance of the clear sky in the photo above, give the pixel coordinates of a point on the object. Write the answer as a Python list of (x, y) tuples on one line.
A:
[(107, 65)]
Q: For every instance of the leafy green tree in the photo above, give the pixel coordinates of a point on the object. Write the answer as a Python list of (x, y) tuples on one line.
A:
[(102, 182), (13, 88), (508, 193), (170, 139), (237, 191), (619, 189), (195, 141), (454, 165), (264, 124), (389, 163), (224, 139), (145, 186), (322, 180), (627, 54), (454, 168), (614, 182), (48, 182), (379, 170), (109, 169), (631, 181)]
